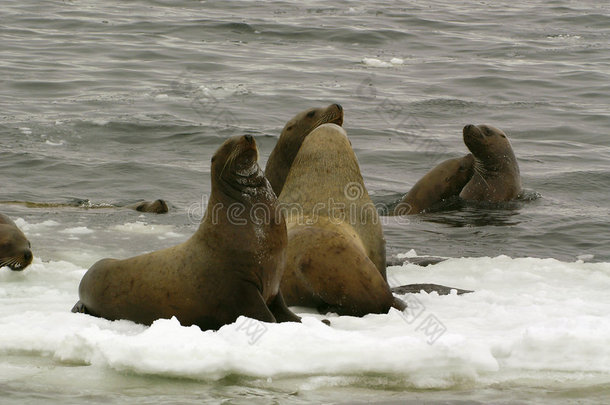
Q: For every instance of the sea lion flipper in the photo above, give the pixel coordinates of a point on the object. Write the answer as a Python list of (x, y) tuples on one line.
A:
[(428, 288), (280, 310), (249, 302), (80, 308), (399, 304)]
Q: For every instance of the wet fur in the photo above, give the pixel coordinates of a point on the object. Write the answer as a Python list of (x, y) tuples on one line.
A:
[(15, 249)]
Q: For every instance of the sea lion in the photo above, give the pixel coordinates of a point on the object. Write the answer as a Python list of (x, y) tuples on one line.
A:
[(155, 207), (292, 137), (445, 180), (231, 266), (336, 251), (15, 249), (496, 175)]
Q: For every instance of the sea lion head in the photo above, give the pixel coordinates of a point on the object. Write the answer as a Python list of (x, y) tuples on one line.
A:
[(15, 249), (306, 121), (464, 171), (294, 133), (157, 206), (235, 167), (488, 144)]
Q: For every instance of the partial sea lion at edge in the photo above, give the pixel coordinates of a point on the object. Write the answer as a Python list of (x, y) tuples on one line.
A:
[(15, 248)]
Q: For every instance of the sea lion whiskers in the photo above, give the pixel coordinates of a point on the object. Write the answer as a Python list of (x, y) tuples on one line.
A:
[(230, 160), (12, 262), (479, 168), (329, 116)]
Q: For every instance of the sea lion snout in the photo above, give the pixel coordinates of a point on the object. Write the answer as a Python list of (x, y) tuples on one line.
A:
[(472, 135), (339, 119), (25, 262)]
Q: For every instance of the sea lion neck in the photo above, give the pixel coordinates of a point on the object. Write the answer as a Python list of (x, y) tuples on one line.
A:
[(247, 186), (492, 164)]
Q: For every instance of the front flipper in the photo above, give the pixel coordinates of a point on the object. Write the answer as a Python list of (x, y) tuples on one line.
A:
[(251, 304), (281, 312)]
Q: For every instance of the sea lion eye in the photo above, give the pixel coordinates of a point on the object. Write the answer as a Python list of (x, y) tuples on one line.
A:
[(213, 158), (311, 114), (289, 128)]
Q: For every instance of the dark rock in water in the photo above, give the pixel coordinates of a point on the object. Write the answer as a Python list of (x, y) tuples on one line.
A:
[(416, 288)]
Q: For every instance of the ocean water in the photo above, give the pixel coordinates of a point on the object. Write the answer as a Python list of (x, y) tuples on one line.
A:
[(103, 104)]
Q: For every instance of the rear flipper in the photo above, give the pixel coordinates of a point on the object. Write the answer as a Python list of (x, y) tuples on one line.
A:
[(80, 308), (416, 288), (399, 304)]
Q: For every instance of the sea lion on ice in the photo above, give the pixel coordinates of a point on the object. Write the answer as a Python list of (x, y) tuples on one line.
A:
[(335, 258), (231, 266)]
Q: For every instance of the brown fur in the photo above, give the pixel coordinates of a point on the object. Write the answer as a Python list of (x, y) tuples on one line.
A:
[(336, 252), (230, 267), (155, 207), (15, 249), (496, 175), (445, 180)]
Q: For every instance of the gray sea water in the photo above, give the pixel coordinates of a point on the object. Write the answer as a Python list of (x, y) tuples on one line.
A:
[(111, 102)]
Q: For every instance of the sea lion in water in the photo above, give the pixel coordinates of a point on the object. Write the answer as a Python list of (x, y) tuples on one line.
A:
[(155, 207), (336, 252), (445, 180), (292, 137), (496, 175), (15, 249), (231, 266)]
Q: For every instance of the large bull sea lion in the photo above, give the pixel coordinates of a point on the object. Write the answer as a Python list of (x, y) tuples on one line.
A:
[(335, 259)]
